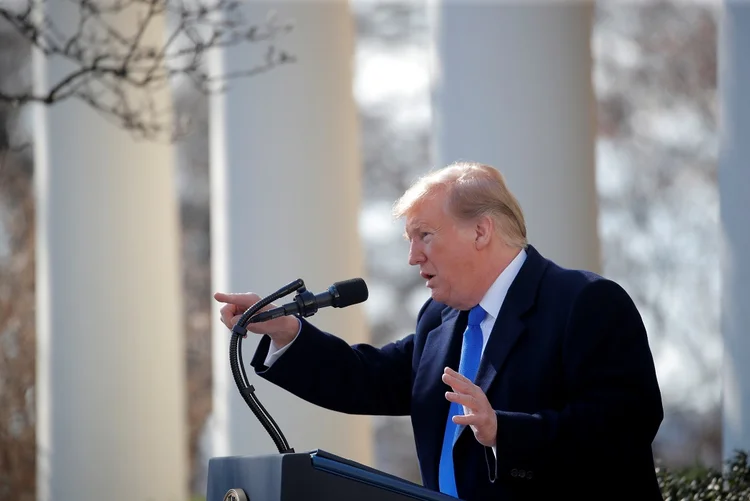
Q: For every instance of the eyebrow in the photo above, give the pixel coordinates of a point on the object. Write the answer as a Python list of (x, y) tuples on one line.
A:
[(410, 228), (414, 226), (417, 227)]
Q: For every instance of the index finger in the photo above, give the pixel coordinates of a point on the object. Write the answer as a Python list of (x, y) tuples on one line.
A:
[(458, 382), (226, 297), (457, 375)]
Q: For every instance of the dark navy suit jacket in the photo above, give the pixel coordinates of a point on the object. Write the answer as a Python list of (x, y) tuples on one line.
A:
[(567, 368)]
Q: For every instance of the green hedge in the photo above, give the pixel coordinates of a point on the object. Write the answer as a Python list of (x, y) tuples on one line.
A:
[(708, 484)]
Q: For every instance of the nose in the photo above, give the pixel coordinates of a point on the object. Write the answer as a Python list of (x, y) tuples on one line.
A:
[(416, 256)]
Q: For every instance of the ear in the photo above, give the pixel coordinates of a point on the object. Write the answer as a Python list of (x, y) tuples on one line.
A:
[(484, 228)]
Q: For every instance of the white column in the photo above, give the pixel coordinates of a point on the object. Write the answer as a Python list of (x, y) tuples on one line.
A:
[(285, 174), (513, 89), (734, 186), (110, 352)]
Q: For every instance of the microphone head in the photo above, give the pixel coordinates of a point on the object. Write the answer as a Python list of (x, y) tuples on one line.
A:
[(349, 292)]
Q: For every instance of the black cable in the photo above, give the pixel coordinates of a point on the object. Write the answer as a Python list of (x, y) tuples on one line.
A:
[(245, 380), (247, 391), (250, 391)]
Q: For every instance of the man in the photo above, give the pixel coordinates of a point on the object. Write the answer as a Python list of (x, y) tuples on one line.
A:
[(523, 380)]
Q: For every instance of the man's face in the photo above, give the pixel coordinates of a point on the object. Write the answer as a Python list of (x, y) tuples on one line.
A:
[(444, 250)]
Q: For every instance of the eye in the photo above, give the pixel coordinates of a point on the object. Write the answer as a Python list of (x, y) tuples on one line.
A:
[(424, 234)]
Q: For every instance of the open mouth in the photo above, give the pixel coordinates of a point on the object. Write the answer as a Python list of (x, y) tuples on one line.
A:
[(427, 276)]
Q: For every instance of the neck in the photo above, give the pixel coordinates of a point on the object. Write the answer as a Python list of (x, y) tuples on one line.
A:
[(496, 263)]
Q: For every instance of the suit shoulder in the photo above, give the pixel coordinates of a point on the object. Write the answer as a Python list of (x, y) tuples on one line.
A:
[(575, 284), (430, 315), (557, 276)]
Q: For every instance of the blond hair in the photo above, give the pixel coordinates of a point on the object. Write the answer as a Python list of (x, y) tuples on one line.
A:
[(473, 190)]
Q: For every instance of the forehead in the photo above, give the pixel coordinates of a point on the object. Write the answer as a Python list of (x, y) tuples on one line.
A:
[(428, 212)]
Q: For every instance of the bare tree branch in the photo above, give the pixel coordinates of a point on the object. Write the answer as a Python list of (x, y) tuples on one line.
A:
[(118, 73)]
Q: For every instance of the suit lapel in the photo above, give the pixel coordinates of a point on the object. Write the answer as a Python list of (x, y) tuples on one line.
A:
[(505, 334), (442, 348)]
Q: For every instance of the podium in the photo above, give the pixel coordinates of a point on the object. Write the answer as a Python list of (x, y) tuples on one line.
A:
[(317, 475)]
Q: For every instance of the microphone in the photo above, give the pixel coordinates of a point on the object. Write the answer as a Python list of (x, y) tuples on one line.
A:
[(339, 295)]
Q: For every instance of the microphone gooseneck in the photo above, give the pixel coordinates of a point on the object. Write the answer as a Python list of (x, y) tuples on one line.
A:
[(247, 391), (339, 295)]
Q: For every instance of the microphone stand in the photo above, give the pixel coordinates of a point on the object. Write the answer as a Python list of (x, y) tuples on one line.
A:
[(238, 367)]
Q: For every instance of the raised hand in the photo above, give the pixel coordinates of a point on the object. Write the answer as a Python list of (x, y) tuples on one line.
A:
[(478, 413)]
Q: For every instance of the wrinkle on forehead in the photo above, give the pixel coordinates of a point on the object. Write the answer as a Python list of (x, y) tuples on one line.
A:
[(420, 224)]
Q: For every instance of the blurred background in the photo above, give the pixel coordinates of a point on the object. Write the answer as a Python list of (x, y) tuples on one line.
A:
[(291, 172)]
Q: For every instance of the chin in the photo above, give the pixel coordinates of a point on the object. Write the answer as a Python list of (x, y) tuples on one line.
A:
[(437, 296), (446, 300)]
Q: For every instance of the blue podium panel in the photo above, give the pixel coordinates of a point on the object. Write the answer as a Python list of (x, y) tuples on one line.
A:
[(316, 475)]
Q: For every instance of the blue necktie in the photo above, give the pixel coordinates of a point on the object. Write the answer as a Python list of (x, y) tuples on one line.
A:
[(471, 352)]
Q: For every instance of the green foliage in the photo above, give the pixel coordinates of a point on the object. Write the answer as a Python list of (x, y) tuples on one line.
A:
[(708, 484)]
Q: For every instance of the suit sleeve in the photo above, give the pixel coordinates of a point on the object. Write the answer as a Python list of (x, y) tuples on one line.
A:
[(613, 404), (326, 371)]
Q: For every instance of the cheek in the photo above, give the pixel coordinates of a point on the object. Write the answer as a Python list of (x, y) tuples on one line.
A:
[(449, 261), (461, 261)]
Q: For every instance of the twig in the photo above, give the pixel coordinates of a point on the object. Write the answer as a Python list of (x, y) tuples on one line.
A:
[(111, 68)]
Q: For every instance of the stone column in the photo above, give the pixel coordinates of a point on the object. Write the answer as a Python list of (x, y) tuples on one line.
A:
[(285, 174), (110, 360), (513, 89), (734, 187)]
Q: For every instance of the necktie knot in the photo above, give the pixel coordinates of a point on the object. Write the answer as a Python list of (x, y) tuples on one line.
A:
[(476, 315)]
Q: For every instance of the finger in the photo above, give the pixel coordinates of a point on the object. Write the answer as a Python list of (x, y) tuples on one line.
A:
[(459, 385), (236, 297), (457, 375), (462, 398), (230, 315), (223, 297), (467, 419), (228, 311)]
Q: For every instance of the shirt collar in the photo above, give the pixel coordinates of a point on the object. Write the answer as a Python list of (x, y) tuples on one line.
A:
[(493, 299)]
